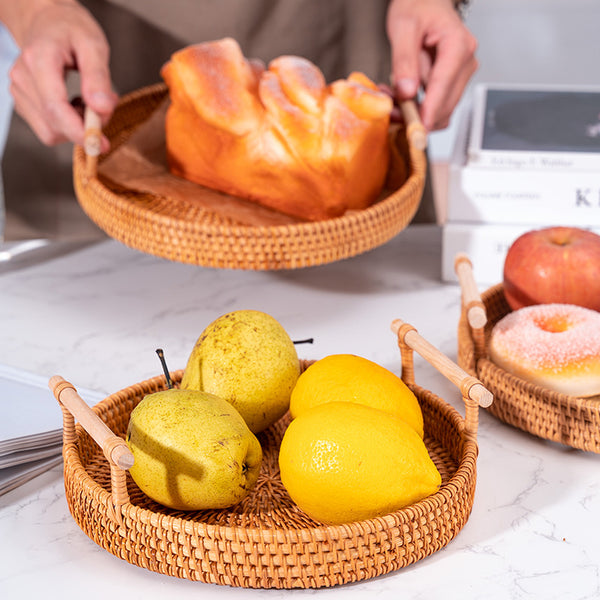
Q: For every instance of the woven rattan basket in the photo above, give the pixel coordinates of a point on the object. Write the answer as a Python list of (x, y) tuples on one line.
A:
[(179, 231), (266, 541), (547, 414)]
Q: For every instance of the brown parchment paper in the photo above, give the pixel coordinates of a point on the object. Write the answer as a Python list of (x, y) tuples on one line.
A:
[(140, 164)]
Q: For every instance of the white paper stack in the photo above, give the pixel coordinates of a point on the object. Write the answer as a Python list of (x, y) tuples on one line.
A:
[(13, 477), (30, 426), (524, 158)]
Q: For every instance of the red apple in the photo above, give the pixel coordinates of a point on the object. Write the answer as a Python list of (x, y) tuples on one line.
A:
[(556, 264)]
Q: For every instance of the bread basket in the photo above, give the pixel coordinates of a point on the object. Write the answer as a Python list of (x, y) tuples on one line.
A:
[(550, 415), (179, 231), (266, 541)]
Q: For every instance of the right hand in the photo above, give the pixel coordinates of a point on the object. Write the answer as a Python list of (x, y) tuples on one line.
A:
[(430, 47), (56, 38)]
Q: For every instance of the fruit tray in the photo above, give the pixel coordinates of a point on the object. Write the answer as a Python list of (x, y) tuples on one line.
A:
[(265, 541), (550, 415), (180, 230)]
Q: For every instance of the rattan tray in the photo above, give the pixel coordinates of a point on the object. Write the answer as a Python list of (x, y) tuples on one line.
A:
[(266, 541), (547, 414), (179, 231)]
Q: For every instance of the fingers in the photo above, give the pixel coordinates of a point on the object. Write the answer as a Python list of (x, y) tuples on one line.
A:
[(60, 40), (96, 89), (430, 47), (40, 95), (406, 76), (48, 115), (453, 67)]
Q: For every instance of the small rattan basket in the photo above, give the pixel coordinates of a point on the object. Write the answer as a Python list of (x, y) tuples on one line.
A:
[(266, 541), (547, 414), (180, 231)]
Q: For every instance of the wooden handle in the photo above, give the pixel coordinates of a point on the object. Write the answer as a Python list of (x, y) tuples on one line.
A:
[(115, 448), (415, 130), (92, 141), (474, 306), (470, 387)]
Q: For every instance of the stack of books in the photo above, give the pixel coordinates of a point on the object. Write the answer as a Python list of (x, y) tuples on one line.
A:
[(30, 427), (524, 159)]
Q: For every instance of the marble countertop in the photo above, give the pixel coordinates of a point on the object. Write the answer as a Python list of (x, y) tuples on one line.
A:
[(95, 316)]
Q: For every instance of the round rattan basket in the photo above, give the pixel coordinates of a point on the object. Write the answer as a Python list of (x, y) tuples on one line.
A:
[(266, 541), (550, 415), (180, 231)]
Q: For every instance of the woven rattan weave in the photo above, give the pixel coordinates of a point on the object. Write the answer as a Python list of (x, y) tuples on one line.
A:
[(179, 231), (549, 415), (266, 541)]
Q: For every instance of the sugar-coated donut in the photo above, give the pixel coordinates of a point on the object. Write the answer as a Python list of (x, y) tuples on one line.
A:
[(556, 346)]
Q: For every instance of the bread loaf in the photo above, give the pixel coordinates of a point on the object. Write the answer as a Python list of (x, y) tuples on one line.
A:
[(279, 136)]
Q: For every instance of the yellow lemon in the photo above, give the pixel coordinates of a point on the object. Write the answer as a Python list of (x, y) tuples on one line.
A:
[(343, 462), (350, 378)]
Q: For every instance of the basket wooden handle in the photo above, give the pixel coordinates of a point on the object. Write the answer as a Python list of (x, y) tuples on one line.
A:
[(92, 140), (415, 130), (472, 302), (470, 386), (114, 447)]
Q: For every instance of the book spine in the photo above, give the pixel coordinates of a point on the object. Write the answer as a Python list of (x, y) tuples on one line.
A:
[(532, 161), (527, 197), (486, 246)]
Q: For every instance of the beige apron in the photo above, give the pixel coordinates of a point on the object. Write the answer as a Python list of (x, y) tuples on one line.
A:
[(338, 35)]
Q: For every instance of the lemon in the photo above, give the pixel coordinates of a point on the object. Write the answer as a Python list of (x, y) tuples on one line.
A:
[(342, 462), (350, 378)]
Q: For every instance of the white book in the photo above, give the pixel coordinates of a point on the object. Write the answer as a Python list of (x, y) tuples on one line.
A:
[(486, 245), (518, 127), (480, 195), (532, 197)]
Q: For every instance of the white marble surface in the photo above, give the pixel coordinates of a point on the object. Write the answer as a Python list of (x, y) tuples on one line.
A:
[(96, 315)]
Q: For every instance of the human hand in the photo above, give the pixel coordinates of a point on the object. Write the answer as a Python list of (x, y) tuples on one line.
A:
[(54, 38), (430, 47)]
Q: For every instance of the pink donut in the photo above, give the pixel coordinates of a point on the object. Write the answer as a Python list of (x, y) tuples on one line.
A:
[(556, 346)]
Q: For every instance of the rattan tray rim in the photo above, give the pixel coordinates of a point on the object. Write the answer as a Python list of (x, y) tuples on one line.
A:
[(230, 245), (348, 220)]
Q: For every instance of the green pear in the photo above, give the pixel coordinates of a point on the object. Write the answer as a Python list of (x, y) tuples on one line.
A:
[(192, 450), (247, 358)]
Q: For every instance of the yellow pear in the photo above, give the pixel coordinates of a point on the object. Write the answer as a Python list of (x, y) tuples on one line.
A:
[(247, 358), (192, 450)]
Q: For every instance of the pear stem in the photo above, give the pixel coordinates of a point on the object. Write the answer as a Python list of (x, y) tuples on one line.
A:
[(306, 341), (163, 362)]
